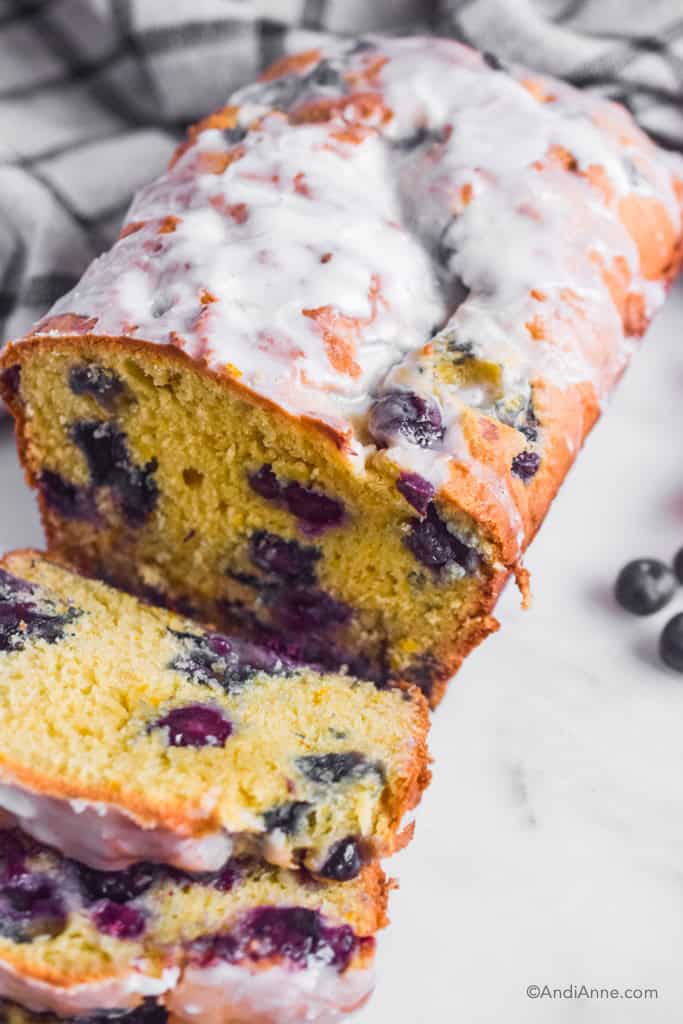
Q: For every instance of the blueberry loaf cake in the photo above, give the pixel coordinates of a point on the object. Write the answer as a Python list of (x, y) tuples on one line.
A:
[(247, 943), (128, 734), (327, 382)]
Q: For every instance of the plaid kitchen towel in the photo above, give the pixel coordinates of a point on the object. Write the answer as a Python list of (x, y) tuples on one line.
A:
[(94, 95)]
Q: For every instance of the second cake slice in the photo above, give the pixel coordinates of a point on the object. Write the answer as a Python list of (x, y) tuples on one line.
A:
[(131, 734)]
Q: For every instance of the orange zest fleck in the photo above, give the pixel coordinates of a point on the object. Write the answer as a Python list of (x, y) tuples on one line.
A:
[(205, 296), (130, 229), (300, 186), (298, 62), (341, 333), (221, 119), (169, 224), (536, 328), (216, 162)]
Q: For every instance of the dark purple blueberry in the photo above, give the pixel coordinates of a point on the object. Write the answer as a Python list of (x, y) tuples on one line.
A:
[(671, 643), (286, 817), (118, 921), (407, 415), (678, 565), (344, 861), (313, 509), (105, 449), (423, 673), (284, 558), (30, 906), (69, 500), (137, 492), (234, 135), (265, 483), (24, 617), (10, 380), (12, 855), (228, 661), (148, 1012), (329, 769), (300, 610), (99, 382), (493, 62), (644, 586), (195, 725), (525, 465), (418, 138), (115, 886), (293, 933), (435, 546), (416, 490)]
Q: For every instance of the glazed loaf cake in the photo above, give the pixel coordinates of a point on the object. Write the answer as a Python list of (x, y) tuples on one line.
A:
[(248, 943), (329, 379), (128, 734)]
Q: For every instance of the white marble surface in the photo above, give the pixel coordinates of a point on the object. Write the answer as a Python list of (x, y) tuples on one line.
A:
[(549, 849)]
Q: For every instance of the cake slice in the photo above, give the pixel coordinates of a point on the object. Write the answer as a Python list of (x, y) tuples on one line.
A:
[(330, 377), (130, 734), (249, 942)]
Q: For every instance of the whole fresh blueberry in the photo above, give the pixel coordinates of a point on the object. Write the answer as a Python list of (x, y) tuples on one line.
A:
[(671, 643), (118, 921), (284, 558), (433, 544), (525, 465), (644, 586), (195, 725), (407, 415), (343, 862), (678, 566)]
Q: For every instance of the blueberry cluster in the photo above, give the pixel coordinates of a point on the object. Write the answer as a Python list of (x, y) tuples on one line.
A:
[(299, 934), (212, 658), (644, 587), (26, 615)]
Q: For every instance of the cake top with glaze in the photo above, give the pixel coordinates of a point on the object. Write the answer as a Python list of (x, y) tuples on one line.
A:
[(363, 207)]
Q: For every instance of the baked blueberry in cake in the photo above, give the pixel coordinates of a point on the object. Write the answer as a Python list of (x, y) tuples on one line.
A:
[(327, 382), (152, 945), (130, 734)]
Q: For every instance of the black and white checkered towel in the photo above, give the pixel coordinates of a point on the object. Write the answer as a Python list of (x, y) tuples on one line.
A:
[(94, 95)]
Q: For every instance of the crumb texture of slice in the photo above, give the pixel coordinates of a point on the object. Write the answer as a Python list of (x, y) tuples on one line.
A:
[(130, 733), (330, 377)]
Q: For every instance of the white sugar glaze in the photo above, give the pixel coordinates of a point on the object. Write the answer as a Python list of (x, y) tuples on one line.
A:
[(226, 993), (117, 992), (103, 836), (318, 263)]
